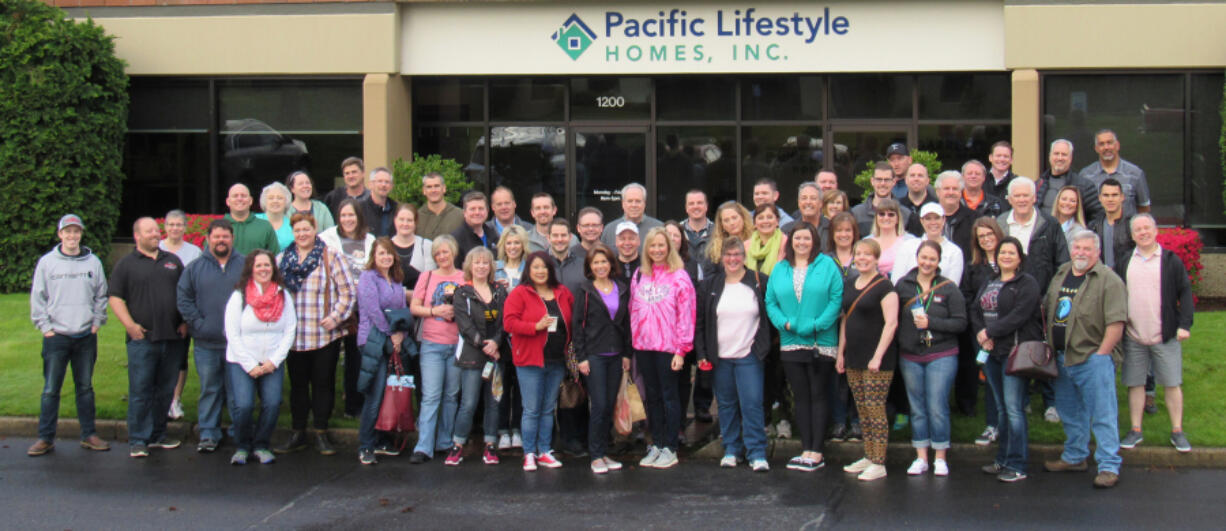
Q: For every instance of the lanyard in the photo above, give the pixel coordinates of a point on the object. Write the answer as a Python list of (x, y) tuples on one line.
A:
[(919, 296)]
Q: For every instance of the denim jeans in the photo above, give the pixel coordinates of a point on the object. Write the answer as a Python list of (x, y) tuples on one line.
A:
[(842, 407), (604, 380), (472, 389), (211, 366), (660, 397), (742, 422), (372, 400), (242, 389), (440, 389), (928, 385), (1086, 401), (1009, 392), (58, 352), (153, 371), (539, 387)]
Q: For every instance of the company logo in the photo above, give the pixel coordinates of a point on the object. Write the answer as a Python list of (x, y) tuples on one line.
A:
[(574, 37)]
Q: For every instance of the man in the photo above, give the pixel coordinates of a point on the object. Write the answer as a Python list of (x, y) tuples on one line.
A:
[(590, 224), (436, 216), (1113, 227), (1042, 238), (202, 294), (932, 217), (352, 172), (899, 159), (634, 204), (808, 208), (974, 175), (765, 191), (1130, 176), (544, 210), (142, 295), (68, 306), (1059, 175), (697, 226), (1158, 321), (1086, 308), (380, 210), (958, 218), (627, 247), (250, 232), (917, 188), (827, 180), (882, 183), (1001, 158), (475, 232), (502, 202), (569, 264)]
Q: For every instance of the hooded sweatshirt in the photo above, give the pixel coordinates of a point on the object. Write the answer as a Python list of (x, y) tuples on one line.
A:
[(662, 311), (68, 293), (202, 294)]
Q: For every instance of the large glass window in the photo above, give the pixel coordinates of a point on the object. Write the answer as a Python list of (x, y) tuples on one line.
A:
[(955, 144), (699, 157), (166, 152), (528, 159), (1205, 159), (871, 96), (527, 99), (696, 98), (464, 144), (605, 162), (789, 155), (448, 99), (964, 96), (782, 98)]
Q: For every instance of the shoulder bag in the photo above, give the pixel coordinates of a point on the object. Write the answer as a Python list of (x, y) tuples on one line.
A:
[(1031, 359)]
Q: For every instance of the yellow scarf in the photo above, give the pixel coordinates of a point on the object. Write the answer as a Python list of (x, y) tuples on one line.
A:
[(762, 256)]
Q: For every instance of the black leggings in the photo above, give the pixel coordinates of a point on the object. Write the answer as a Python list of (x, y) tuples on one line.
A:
[(812, 407), (353, 365), (312, 384)]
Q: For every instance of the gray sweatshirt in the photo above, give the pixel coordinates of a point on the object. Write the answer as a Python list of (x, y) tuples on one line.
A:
[(68, 294)]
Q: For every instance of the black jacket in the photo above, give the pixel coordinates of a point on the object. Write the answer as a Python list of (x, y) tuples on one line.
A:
[(467, 240), (990, 206), (474, 330), (998, 190), (595, 332), (975, 277), (706, 334), (1048, 248), (1019, 310), (1090, 206), (1175, 292), (946, 316), (958, 230), (1121, 236)]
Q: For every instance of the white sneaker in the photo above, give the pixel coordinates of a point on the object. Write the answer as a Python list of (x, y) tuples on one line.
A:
[(872, 472), (1051, 415), (529, 463), (729, 461), (987, 437), (504, 441), (759, 465), (940, 468), (858, 466), (176, 409), (516, 441), (784, 430), (667, 459), (649, 460), (917, 468), (611, 464), (598, 467)]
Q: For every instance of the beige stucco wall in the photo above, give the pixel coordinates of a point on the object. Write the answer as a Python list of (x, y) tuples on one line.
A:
[(387, 134)]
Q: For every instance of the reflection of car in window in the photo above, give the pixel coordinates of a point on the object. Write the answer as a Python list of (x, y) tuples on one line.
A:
[(255, 154)]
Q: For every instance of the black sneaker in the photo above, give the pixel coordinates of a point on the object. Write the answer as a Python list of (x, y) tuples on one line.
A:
[(854, 434), (839, 433), (418, 458), (386, 449), (207, 446), (992, 469), (297, 441), (165, 443), (323, 444), (138, 451), (366, 456), (1010, 476)]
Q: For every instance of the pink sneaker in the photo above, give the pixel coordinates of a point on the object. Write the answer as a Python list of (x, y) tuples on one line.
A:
[(454, 456), (547, 460), (490, 456)]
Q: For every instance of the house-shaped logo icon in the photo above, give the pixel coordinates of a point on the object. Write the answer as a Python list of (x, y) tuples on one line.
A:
[(573, 37)]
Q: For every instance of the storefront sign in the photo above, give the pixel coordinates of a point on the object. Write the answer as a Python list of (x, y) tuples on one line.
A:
[(477, 38)]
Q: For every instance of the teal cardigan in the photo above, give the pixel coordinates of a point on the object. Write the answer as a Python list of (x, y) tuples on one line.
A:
[(813, 321)]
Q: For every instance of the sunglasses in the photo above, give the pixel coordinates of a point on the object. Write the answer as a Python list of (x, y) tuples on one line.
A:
[(887, 214)]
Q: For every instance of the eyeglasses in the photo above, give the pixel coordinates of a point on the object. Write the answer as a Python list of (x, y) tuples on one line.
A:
[(883, 179), (986, 236), (887, 214)]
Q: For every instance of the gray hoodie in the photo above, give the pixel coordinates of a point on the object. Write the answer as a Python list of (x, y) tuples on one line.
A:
[(68, 294)]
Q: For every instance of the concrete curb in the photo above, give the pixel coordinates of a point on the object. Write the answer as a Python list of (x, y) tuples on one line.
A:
[(117, 430)]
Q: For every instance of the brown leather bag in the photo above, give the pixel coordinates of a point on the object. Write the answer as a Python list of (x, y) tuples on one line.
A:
[(1031, 359)]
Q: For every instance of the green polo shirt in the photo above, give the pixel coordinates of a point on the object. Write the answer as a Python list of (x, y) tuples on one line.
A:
[(1101, 301), (253, 233)]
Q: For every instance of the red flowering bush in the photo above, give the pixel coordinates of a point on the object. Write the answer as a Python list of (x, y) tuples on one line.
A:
[(197, 225), (1186, 244)]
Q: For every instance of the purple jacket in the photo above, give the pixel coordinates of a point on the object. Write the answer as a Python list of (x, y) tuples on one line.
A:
[(376, 294)]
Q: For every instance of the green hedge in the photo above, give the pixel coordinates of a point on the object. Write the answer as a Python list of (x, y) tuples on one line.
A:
[(63, 113)]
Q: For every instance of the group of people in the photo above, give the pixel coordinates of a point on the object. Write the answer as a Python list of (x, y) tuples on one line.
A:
[(867, 313)]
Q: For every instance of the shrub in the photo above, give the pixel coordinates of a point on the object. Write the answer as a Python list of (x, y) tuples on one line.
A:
[(197, 228), (927, 158), (63, 113), (407, 175), (1186, 244)]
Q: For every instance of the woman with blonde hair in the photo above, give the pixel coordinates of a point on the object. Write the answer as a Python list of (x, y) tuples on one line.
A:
[(513, 248), (888, 232), (731, 219), (1069, 211), (478, 316)]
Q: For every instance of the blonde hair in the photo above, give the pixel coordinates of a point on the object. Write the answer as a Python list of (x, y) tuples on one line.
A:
[(478, 253), (891, 205), (873, 247), (715, 248), (514, 231), (673, 260), (1079, 216)]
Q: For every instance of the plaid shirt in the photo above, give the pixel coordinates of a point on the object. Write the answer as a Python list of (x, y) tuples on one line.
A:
[(310, 301)]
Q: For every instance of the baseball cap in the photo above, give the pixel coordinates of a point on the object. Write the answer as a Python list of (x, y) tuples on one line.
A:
[(931, 208), (627, 225), (70, 219), (897, 148)]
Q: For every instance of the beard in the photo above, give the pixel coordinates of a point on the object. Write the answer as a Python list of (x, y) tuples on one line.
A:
[(1081, 264), (221, 250)]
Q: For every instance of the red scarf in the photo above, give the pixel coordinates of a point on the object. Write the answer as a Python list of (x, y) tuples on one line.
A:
[(267, 305)]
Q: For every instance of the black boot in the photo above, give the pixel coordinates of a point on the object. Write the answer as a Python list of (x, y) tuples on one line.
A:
[(297, 441), (323, 444)]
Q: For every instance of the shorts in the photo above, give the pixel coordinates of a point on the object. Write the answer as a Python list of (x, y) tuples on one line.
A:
[(1166, 359)]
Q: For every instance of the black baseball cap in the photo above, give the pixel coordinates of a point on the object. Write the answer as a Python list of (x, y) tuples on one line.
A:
[(897, 148)]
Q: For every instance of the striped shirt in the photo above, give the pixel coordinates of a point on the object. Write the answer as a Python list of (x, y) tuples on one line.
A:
[(310, 301)]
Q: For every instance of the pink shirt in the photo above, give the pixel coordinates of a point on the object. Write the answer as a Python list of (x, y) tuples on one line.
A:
[(434, 289), (1144, 298)]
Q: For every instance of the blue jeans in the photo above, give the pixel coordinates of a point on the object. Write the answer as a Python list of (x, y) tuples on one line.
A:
[(440, 388), (742, 422), (1009, 393), (211, 366), (661, 398), (539, 387), (58, 352), (1086, 401), (153, 371), (603, 383), (241, 396), (928, 386), (842, 407), (372, 400), (472, 389)]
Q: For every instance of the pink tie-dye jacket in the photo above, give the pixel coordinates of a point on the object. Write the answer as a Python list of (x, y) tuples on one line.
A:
[(662, 311)]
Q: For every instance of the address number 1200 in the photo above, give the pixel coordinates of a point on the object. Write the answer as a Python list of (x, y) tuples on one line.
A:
[(610, 102)]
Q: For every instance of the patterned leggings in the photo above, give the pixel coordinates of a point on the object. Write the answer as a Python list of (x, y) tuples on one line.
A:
[(870, 390)]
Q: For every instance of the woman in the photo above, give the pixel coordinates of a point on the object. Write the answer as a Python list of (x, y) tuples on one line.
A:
[(1069, 212), (842, 233), (352, 239), (602, 324), (802, 300), (986, 235), (324, 295), (175, 226), (930, 321), (440, 378), (538, 316), (380, 288), (834, 202), (732, 334), (888, 232), (509, 268), (1006, 312), (662, 329), (302, 187), (870, 310), (274, 201), (478, 317), (413, 250), (260, 329), (767, 245), (731, 219)]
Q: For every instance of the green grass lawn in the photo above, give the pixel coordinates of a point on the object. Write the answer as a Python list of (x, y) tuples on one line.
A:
[(21, 383)]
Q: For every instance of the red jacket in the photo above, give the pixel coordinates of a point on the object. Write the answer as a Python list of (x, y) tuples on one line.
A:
[(523, 309)]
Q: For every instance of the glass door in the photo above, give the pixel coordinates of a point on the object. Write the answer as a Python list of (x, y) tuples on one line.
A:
[(857, 148), (604, 159)]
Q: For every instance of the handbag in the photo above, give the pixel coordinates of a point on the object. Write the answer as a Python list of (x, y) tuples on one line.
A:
[(396, 410), (1031, 359), (629, 407), (571, 394)]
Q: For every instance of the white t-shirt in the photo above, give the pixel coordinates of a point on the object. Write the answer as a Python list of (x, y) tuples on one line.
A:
[(737, 315)]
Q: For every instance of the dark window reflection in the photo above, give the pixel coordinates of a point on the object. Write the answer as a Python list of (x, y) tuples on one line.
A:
[(1205, 199), (870, 96), (696, 98), (604, 163), (956, 144), (856, 151), (788, 154), (465, 145), (965, 96), (164, 171), (450, 99), (690, 158), (528, 160), (782, 98), (527, 99)]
